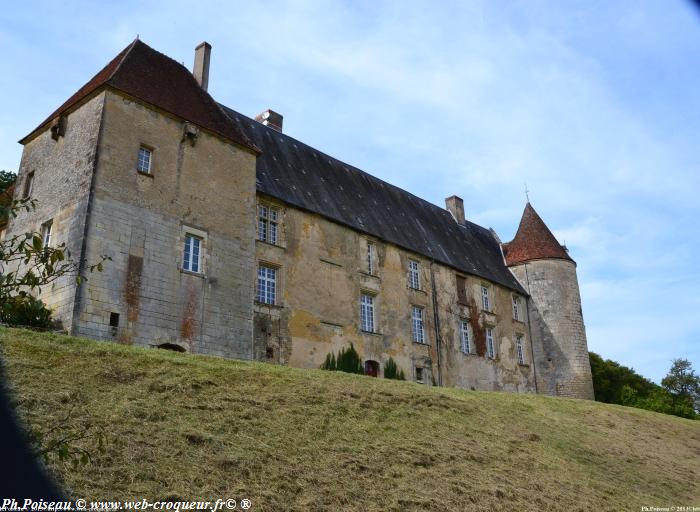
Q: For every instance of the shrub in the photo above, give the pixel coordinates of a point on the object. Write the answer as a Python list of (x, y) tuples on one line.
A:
[(25, 310), (348, 361), (391, 371)]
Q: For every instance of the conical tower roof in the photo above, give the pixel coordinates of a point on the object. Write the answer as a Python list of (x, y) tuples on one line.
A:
[(151, 77), (533, 241)]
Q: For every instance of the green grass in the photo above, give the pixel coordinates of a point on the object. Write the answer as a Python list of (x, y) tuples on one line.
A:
[(192, 427)]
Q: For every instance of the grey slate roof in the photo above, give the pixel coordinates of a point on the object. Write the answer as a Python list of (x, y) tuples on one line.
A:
[(304, 177)]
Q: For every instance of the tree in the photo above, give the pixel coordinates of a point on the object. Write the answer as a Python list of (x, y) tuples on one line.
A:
[(683, 383), (7, 179), (610, 378), (27, 265)]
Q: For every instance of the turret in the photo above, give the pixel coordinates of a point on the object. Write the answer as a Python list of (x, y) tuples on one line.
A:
[(547, 272)]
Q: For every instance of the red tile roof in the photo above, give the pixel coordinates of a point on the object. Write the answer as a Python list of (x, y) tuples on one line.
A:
[(156, 79), (533, 241)]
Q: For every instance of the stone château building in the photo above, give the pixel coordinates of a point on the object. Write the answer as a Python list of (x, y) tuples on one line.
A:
[(230, 238)]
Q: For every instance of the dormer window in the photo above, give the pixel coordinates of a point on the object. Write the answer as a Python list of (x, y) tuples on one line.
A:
[(145, 157)]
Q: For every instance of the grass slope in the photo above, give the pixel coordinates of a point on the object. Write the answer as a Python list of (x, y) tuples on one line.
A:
[(196, 427)]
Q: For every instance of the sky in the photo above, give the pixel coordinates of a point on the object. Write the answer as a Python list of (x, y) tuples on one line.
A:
[(593, 104)]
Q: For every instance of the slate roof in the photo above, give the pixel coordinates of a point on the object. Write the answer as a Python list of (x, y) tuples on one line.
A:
[(146, 74), (533, 241), (304, 177)]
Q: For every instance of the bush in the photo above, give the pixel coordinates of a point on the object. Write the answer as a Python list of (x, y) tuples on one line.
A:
[(25, 310), (391, 371), (348, 361)]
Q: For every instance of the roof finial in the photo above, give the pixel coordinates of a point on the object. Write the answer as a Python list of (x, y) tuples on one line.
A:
[(137, 37), (527, 193)]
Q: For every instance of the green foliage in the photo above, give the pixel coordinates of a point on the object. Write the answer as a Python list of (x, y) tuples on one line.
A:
[(348, 361), (25, 310), (26, 266), (7, 178), (683, 383), (617, 384), (391, 371), (609, 378)]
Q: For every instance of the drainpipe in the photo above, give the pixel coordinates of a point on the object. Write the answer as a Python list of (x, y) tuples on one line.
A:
[(436, 318)]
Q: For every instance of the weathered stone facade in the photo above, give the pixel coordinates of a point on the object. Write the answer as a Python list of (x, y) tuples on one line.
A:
[(441, 292)]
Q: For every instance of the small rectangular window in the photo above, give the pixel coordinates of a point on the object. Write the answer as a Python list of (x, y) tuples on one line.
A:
[(419, 374), (46, 233), (516, 307), (418, 327), (485, 300), (519, 348), (143, 163), (192, 254), (267, 285), (464, 337), (490, 345), (28, 185), (370, 258), (367, 312), (268, 223), (414, 274), (114, 323)]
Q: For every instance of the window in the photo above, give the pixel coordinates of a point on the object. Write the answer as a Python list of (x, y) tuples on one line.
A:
[(417, 321), (113, 323), (143, 162), (485, 301), (367, 312), (268, 219), (370, 258), (371, 368), (490, 347), (192, 254), (46, 233), (464, 337), (519, 348), (414, 274), (516, 307), (461, 290), (28, 185), (267, 285), (419, 374)]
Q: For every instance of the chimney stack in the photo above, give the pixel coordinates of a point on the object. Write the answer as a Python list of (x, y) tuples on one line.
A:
[(202, 54), (270, 118), (455, 206)]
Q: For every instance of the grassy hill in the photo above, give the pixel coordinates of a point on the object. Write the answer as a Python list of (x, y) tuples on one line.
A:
[(191, 427)]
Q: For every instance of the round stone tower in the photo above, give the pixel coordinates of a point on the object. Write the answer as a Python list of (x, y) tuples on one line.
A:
[(548, 273)]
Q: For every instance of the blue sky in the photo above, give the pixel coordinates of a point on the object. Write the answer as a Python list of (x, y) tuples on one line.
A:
[(594, 104)]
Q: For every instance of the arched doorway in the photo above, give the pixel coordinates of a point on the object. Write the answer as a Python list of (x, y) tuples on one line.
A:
[(371, 368)]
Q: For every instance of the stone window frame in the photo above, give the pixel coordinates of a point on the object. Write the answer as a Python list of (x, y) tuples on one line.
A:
[(465, 336), (520, 349), (46, 233), (491, 351), (414, 281), (418, 325), (372, 303), (276, 280), (203, 237), (517, 308), (486, 298), (147, 171), (268, 222), (28, 185)]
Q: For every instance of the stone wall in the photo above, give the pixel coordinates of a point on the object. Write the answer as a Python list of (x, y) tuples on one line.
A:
[(63, 171), (559, 335), (204, 186), (322, 269)]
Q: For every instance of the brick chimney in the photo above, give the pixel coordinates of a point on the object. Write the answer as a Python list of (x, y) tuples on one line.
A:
[(455, 206), (270, 118), (202, 54)]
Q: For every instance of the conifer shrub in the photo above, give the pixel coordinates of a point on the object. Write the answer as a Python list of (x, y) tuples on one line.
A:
[(348, 361), (391, 371)]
